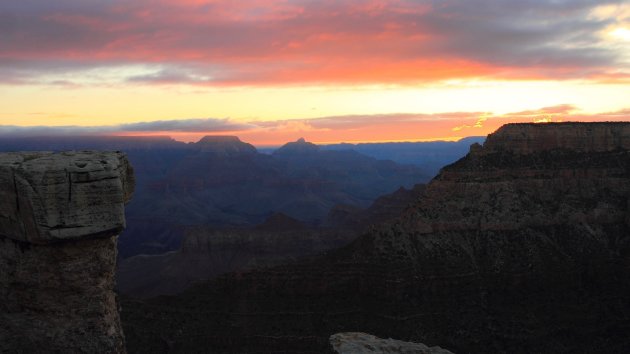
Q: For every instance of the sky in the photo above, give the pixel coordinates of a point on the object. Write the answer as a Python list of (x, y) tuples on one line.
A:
[(330, 71)]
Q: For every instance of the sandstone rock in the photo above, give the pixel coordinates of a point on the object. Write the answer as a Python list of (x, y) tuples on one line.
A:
[(60, 215), (50, 197), (357, 342)]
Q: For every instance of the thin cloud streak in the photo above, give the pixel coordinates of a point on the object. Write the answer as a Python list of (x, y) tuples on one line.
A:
[(204, 125)]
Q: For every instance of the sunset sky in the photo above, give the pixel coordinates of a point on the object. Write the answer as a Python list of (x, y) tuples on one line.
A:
[(330, 71)]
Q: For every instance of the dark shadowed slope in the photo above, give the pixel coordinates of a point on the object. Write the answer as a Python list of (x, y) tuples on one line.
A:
[(208, 252), (384, 208), (521, 246)]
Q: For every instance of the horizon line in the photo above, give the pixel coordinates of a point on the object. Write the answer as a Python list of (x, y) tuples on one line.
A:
[(321, 143)]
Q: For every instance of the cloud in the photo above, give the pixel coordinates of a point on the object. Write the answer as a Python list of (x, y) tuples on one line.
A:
[(563, 109), (349, 122), (559, 113), (255, 42), (186, 125), (478, 124), (205, 125)]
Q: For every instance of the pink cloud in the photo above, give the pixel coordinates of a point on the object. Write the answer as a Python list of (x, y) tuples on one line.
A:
[(283, 41)]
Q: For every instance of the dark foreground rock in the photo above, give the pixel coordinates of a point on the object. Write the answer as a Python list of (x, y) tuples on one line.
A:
[(521, 246), (353, 342), (60, 216)]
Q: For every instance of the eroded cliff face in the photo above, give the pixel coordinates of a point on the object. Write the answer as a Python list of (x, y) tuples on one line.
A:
[(60, 216), (521, 246)]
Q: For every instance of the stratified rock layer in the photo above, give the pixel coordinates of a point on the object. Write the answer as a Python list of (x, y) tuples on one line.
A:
[(60, 216), (578, 137), (356, 342), (521, 246)]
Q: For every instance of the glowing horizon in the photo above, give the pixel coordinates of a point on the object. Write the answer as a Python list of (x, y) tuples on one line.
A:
[(330, 130)]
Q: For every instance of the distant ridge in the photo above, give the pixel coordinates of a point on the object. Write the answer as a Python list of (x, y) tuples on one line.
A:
[(224, 145), (300, 146)]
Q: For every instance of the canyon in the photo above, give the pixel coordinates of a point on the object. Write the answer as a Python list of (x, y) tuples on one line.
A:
[(521, 246)]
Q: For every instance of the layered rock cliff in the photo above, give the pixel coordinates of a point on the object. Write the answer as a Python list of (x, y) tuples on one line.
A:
[(60, 215), (579, 137), (521, 246)]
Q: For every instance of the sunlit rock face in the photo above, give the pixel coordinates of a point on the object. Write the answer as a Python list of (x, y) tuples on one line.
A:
[(521, 246), (60, 216)]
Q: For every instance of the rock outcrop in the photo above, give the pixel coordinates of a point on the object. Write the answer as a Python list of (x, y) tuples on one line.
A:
[(357, 342), (521, 246), (60, 215)]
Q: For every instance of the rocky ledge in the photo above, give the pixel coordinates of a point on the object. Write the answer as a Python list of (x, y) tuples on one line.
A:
[(60, 215)]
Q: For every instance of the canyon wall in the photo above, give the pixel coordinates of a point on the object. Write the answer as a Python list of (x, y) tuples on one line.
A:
[(60, 217), (523, 138)]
